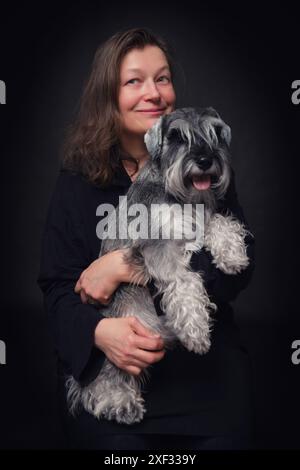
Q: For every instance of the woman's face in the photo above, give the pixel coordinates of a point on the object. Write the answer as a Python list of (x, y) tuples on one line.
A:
[(146, 90)]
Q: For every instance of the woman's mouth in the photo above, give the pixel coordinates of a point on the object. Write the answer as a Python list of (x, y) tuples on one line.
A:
[(154, 112), (201, 182)]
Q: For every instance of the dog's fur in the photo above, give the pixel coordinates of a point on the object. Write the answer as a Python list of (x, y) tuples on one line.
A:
[(183, 145)]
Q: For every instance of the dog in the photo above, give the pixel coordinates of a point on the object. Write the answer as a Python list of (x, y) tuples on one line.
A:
[(189, 164)]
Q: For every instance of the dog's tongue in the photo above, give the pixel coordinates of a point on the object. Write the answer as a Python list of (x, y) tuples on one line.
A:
[(201, 182)]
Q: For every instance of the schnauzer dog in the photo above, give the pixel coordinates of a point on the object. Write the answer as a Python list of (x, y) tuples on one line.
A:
[(189, 164)]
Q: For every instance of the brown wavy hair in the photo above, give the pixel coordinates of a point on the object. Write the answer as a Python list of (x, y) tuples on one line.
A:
[(91, 145)]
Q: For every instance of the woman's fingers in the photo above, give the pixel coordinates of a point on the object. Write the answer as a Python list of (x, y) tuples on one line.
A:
[(148, 344), (144, 351), (91, 296), (129, 351), (142, 360), (148, 357), (136, 363), (83, 296), (133, 370), (77, 287), (140, 329)]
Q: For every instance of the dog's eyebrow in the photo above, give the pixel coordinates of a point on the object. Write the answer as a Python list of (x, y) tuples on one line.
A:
[(135, 69)]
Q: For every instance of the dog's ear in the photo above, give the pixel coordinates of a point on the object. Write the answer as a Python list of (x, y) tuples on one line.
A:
[(209, 112), (153, 139), (215, 127), (223, 132)]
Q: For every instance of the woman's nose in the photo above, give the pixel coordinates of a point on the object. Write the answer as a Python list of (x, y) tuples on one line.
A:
[(151, 91)]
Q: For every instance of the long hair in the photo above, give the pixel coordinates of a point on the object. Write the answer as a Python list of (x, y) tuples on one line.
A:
[(91, 145)]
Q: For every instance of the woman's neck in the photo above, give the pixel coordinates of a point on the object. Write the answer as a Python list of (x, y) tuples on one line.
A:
[(137, 149), (133, 168)]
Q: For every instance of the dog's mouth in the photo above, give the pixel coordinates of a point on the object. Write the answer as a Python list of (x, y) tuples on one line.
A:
[(201, 182)]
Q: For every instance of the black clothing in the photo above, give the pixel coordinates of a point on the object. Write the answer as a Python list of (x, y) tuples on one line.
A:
[(163, 442), (187, 393)]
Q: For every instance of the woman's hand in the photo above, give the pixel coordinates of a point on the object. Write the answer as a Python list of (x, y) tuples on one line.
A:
[(128, 344), (100, 280)]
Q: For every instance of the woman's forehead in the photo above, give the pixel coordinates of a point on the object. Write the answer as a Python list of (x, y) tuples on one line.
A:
[(138, 60)]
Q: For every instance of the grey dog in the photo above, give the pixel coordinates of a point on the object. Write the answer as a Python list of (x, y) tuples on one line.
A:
[(189, 164)]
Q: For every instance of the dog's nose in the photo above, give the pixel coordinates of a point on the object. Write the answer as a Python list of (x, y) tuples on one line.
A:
[(204, 163)]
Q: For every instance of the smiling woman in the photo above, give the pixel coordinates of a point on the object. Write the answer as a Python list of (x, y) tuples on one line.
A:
[(200, 402), (119, 108), (146, 93)]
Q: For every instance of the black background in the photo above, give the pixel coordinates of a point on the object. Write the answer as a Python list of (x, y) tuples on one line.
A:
[(242, 61)]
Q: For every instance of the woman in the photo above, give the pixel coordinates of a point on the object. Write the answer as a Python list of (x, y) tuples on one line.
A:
[(192, 401)]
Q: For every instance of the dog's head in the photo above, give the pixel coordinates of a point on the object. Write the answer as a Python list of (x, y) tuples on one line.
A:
[(190, 147)]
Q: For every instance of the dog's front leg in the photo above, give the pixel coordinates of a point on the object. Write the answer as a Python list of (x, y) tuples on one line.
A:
[(185, 300), (225, 238)]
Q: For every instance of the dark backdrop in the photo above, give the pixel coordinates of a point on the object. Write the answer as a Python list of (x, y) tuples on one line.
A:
[(240, 61)]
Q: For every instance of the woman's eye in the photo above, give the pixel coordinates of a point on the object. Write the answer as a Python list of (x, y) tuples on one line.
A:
[(164, 76), (132, 80)]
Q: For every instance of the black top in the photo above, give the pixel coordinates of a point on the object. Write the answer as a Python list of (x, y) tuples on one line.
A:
[(187, 393)]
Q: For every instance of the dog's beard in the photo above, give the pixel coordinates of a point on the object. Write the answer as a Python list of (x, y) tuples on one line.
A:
[(184, 181), (206, 197), (186, 193)]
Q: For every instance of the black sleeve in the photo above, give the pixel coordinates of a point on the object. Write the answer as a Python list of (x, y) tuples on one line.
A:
[(64, 256), (223, 287)]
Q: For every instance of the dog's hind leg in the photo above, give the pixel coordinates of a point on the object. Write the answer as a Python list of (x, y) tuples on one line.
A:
[(113, 395)]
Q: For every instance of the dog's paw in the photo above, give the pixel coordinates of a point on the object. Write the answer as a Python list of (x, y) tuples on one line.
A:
[(230, 269), (128, 412), (225, 239), (190, 321), (199, 344), (194, 335)]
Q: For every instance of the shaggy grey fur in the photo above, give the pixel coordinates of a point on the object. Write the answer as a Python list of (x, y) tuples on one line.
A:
[(182, 145)]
